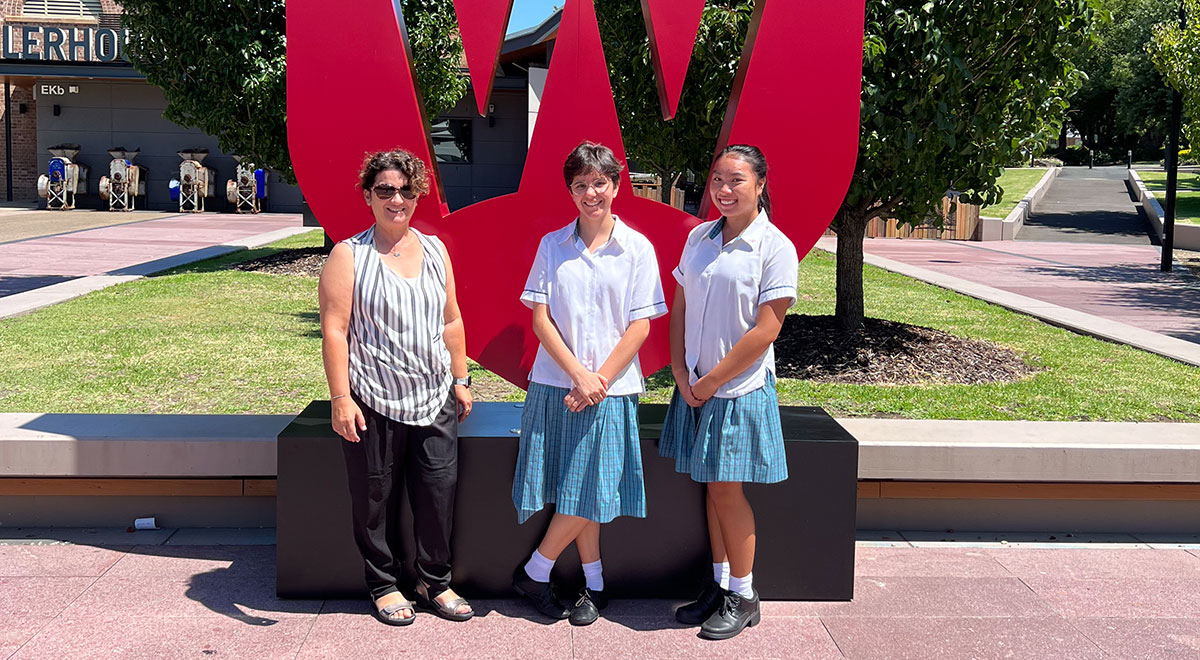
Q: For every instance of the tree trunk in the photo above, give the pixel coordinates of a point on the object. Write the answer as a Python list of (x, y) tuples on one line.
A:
[(1062, 137), (668, 182), (851, 227)]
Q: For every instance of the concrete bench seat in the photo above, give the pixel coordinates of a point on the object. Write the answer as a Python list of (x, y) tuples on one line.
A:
[(106, 470), (915, 474), (950, 450), (63, 445)]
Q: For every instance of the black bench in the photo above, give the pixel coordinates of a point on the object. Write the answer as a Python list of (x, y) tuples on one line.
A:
[(805, 524)]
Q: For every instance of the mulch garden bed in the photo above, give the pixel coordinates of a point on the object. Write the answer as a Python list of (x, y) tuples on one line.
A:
[(884, 352), (301, 261)]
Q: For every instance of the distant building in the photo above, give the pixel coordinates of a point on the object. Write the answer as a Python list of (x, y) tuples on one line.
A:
[(65, 78), (498, 142), (63, 70)]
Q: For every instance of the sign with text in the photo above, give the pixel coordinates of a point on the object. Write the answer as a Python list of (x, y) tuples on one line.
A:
[(44, 43), (54, 89)]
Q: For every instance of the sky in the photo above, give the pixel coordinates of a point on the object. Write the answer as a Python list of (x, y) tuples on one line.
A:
[(528, 13)]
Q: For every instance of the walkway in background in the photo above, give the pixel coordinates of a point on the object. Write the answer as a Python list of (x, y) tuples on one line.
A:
[(115, 250), (1088, 206), (42, 271), (22, 224), (170, 594), (1119, 283)]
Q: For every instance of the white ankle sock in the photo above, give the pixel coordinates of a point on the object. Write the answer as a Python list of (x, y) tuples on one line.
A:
[(538, 567), (721, 574), (743, 585), (594, 573)]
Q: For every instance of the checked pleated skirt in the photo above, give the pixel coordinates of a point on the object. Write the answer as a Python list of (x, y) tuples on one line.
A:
[(588, 464), (727, 439)]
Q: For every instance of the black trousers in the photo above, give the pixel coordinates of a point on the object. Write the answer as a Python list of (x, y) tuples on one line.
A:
[(389, 456)]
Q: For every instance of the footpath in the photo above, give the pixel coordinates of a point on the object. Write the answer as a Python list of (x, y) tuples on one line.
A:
[(69, 256), (1084, 261), (211, 593)]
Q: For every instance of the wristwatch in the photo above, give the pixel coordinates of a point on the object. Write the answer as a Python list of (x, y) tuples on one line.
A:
[(465, 382)]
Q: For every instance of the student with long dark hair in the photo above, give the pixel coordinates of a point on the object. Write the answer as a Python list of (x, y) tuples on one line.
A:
[(593, 289), (736, 279)]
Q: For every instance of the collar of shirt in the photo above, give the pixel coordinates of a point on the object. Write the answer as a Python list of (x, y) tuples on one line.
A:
[(619, 237), (752, 235)]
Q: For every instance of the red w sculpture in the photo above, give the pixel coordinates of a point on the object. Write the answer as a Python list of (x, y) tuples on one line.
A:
[(351, 91)]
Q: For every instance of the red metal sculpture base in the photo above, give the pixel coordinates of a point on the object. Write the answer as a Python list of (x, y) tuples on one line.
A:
[(351, 90)]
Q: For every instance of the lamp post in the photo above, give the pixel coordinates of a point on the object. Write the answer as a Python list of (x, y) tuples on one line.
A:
[(1168, 238)]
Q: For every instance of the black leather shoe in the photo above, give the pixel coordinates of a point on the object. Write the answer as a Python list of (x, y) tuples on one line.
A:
[(540, 594), (735, 614), (697, 612), (587, 607)]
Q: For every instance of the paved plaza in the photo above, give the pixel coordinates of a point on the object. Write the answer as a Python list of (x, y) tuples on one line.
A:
[(57, 256), (1119, 282), (169, 594), (1084, 260), (117, 249)]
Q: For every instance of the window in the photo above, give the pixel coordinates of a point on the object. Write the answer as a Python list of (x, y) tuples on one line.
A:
[(61, 8), (452, 141)]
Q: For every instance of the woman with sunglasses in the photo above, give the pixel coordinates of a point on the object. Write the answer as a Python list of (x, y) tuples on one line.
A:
[(593, 289), (736, 279), (395, 358)]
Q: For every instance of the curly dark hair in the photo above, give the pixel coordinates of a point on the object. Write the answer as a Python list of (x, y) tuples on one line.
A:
[(401, 160)]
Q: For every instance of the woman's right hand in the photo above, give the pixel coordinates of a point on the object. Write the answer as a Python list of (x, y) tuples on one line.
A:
[(682, 382), (592, 386), (348, 419)]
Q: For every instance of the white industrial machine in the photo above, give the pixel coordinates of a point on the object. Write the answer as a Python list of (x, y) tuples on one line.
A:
[(125, 181), (64, 179), (195, 183), (248, 189)]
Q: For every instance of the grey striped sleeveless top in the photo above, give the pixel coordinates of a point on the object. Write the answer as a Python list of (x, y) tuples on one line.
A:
[(399, 364)]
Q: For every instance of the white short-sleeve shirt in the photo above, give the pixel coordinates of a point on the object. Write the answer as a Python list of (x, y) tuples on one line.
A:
[(593, 297), (723, 286)]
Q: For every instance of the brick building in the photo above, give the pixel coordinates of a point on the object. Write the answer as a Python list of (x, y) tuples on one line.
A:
[(66, 80)]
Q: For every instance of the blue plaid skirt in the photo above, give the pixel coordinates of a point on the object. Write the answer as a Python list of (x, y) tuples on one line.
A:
[(588, 464), (727, 439)]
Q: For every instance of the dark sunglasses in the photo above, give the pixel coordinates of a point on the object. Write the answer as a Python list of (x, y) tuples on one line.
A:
[(385, 192)]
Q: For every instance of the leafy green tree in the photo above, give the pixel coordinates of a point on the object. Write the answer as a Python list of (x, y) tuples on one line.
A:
[(222, 65), (1176, 53), (686, 143), (1123, 101), (951, 90)]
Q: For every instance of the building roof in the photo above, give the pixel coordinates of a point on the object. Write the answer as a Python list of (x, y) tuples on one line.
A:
[(523, 43)]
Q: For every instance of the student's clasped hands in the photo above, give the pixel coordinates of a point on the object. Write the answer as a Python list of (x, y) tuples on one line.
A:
[(590, 389)]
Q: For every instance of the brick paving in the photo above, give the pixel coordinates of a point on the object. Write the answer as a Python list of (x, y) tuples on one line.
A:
[(1118, 282), (1131, 599), (111, 249), (23, 224)]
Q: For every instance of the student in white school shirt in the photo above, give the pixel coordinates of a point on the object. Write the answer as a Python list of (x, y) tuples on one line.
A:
[(593, 289), (737, 278)]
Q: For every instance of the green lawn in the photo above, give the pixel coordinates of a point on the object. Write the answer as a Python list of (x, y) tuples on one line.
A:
[(205, 339), (1187, 196), (1016, 182)]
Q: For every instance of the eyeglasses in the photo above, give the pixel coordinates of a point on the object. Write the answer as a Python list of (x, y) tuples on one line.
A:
[(580, 189), (385, 192)]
